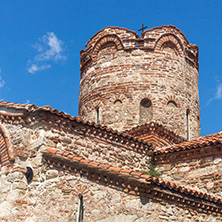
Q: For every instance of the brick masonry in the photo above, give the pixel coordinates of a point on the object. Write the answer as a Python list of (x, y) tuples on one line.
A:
[(53, 192), (119, 70)]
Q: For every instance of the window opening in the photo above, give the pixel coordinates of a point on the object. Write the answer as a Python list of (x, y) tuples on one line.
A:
[(80, 209), (118, 102), (188, 124), (171, 104), (97, 116), (29, 174), (146, 112)]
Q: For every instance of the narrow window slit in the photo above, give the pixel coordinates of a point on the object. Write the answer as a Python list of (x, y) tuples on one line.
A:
[(97, 116), (188, 124), (80, 208)]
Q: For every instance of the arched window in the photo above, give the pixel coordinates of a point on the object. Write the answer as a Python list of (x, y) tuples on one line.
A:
[(146, 111)]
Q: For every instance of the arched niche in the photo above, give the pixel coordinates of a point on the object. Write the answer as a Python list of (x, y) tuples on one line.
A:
[(117, 102), (171, 104), (146, 111), (107, 42), (169, 43), (170, 47)]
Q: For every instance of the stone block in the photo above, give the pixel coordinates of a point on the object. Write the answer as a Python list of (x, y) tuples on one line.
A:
[(217, 160), (50, 174), (16, 176), (118, 218), (36, 162), (20, 185), (5, 209), (202, 172)]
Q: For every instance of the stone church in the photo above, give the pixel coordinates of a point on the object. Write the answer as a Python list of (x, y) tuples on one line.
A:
[(133, 154)]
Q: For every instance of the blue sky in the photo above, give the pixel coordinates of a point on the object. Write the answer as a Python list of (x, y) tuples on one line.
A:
[(41, 41)]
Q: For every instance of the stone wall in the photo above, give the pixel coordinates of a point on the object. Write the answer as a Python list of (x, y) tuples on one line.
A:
[(30, 141), (203, 174), (53, 196), (119, 70)]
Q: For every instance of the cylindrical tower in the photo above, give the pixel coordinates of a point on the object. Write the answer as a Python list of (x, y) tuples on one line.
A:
[(127, 80)]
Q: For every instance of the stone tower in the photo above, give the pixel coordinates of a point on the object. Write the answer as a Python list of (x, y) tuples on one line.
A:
[(128, 81)]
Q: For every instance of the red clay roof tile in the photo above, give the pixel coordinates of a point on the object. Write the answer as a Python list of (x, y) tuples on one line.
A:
[(33, 108), (51, 150), (137, 176), (208, 140), (148, 131)]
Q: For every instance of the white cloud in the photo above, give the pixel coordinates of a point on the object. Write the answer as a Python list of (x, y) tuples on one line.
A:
[(33, 68), (219, 91), (2, 82), (49, 49)]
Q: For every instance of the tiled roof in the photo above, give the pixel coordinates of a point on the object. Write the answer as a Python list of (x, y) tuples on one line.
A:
[(17, 118), (156, 134), (161, 187), (200, 142)]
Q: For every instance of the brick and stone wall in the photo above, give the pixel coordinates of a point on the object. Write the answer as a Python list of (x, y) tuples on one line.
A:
[(29, 141), (127, 80), (203, 174), (53, 196)]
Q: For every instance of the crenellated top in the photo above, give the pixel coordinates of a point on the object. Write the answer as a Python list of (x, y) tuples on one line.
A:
[(157, 39)]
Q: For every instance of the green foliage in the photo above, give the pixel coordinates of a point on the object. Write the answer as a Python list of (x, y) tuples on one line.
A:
[(153, 172)]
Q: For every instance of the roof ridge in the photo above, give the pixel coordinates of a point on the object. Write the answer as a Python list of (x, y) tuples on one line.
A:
[(155, 124), (199, 142)]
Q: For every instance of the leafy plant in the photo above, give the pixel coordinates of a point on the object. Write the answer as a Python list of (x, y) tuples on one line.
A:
[(153, 171)]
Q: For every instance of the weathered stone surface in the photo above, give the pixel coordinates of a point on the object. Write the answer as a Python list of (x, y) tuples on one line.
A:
[(217, 160), (50, 174), (132, 74), (6, 208), (210, 185), (66, 140), (16, 176), (30, 219), (36, 162), (19, 185), (118, 218), (202, 172)]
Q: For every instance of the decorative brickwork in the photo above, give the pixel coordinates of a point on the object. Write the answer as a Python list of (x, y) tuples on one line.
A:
[(159, 67), (6, 157), (64, 168), (155, 134), (70, 157)]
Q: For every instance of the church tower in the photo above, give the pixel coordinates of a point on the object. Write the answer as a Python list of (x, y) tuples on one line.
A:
[(128, 81)]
